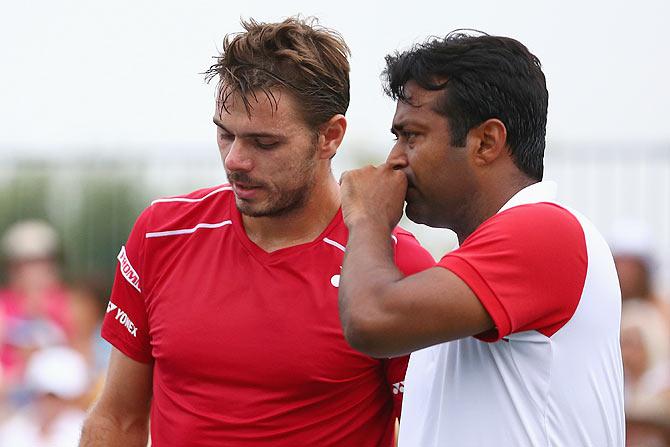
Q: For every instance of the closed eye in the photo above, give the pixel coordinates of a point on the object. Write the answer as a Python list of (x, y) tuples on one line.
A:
[(225, 135), (267, 145)]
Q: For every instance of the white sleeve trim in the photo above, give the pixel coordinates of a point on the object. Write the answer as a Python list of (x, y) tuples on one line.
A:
[(189, 200), (188, 230), (334, 244)]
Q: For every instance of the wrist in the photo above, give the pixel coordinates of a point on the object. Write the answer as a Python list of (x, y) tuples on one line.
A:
[(368, 224)]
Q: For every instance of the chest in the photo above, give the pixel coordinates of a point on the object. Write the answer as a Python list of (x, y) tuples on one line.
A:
[(217, 311)]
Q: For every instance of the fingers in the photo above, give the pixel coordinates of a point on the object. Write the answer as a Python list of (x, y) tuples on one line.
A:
[(372, 175), (383, 167), (373, 193), (355, 172)]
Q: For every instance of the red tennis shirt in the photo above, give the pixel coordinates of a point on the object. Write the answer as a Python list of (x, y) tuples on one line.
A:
[(247, 347)]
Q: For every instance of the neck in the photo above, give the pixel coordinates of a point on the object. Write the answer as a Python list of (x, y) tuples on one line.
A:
[(489, 200), (299, 226)]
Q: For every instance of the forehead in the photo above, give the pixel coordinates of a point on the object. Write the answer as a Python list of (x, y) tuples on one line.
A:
[(419, 108), (275, 109)]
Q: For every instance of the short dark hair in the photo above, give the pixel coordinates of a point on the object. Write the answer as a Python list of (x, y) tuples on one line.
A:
[(308, 60), (483, 77)]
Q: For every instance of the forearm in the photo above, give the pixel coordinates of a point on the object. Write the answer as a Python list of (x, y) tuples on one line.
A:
[(101, 430), (367, 272)]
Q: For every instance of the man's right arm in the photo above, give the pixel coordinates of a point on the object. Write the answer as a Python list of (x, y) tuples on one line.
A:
[(121, 416)]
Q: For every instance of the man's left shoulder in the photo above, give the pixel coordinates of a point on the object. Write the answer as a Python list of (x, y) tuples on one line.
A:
[(404, 238), (545, 220), (410, 256), (546, 212), (400, 230), (534, 235)]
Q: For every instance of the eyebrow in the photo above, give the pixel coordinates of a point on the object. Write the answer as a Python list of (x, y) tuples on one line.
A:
[(398, 127), (220, 125), (395, 128)]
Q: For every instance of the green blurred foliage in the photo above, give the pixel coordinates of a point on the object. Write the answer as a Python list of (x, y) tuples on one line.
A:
[(24, 194), (91, 205), (107, 212)]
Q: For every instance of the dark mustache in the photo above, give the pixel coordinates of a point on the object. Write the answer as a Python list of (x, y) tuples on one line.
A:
[(242, 177)]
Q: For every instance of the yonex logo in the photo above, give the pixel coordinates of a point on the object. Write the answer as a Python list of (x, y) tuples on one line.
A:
[(398, 387), (127, 270), (111, 306), (123, 319)]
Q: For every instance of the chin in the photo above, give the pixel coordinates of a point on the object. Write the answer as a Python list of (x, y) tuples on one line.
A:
[(248, 208), (414, 215), (253, 211), (422, 217), (268, 209)]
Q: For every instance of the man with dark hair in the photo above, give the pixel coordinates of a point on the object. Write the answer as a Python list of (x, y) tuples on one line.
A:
[(516, 332), (223, 314)]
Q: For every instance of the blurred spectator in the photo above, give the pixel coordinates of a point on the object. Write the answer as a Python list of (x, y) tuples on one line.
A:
[(632, 244), (645, 347), (645, 336), (88, 307), (56, 378), (34, 304)]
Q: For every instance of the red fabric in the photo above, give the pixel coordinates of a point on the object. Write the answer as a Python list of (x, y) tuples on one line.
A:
[(527, 265), (247, 345)]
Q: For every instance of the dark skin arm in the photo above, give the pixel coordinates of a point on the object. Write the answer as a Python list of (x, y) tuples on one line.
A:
[(384, 314), (121, 415)]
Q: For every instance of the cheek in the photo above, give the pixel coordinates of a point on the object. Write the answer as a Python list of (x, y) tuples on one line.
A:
[(277, 172), (293, 174), (426, 165)]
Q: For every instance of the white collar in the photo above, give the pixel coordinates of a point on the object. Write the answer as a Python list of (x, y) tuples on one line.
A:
[(545, 191)]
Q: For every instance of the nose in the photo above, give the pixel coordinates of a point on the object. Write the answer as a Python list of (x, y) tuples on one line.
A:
[(236, 158), (397, 158)]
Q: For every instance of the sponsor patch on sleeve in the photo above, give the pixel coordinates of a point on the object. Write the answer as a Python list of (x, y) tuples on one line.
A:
[(123, 318), (127, 270), (111, 306)]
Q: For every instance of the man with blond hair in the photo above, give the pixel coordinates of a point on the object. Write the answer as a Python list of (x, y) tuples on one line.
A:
[(224, 310)]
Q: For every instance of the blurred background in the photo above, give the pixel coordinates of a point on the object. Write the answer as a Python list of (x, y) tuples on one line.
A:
[(103, 107)]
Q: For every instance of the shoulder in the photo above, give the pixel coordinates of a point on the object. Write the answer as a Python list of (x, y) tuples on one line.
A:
[(527, 265), (200, 198), (402, 238), (545, 223), (544, 212), (410, 256), (206, 206), (542, 242)]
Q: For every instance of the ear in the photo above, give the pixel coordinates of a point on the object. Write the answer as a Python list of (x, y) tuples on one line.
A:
[(490, 140), (331, 134)]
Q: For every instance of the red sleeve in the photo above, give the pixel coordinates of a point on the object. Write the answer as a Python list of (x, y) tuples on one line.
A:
[(527, 265), (125, 324), (410, 256), (395, 370)]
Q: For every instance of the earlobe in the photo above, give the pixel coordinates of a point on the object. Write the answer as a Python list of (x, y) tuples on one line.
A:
[(331, 135), (491, 137)]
